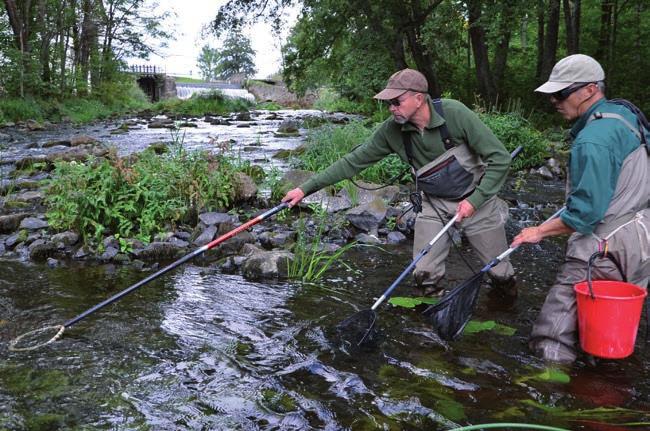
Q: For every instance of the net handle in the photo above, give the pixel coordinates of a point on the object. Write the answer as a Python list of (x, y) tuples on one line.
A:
[(15, 341)]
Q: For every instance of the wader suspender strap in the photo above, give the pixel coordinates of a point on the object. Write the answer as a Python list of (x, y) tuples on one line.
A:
[(599, 115), (444, 135)]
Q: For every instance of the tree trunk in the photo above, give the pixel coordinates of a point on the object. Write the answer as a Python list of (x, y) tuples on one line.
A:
[(541, 22), (605, 34), (503, 43), (423, 61), (572, 23), (20, 19), (486, 86), (550, 41)]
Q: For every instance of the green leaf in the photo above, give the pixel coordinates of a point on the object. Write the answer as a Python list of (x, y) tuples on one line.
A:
[(474, 326), (548, 375), (411, 302)]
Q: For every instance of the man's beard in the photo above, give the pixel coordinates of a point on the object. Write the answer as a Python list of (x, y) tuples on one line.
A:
[(399, 119)]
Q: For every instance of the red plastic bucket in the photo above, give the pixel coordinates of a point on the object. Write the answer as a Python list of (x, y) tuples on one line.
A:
[(609, 321)]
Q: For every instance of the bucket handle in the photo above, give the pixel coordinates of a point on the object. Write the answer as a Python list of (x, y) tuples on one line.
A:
[(592, 259)]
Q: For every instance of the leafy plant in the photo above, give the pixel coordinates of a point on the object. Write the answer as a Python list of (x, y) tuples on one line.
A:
[(310, 260)]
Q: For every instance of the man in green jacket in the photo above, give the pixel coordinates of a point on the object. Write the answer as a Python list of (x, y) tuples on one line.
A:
[(459, 164), (608, 190)]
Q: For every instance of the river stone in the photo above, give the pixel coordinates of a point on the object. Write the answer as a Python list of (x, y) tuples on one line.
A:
[(545, 173), (158, 251), (41, 249), (216, 218), (9, 223), (243, 116), (234, 244), (178, 242), (554, 166), (330, 204), (81, 252), (365, 238), (63, 142), (206, 236), (34, 125), (185, 236), (387, 194), (12, 240), (33, 223), (109, 253), (271, 240), (245, 188), (52, 263), (395, 237), (368, 217), (67, 238), (267, 264), (78, 140), (32, 197)]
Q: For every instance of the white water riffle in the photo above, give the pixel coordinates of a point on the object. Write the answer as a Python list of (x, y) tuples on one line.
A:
[(185, 92)]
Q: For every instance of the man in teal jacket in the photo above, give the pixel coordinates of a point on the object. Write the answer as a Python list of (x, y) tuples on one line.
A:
[(608, 189), (465, 172)]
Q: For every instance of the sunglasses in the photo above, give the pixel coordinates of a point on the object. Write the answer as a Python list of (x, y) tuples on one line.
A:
[(396, 102), (566, 92)]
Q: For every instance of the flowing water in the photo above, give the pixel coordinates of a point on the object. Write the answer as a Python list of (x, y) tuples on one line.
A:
[(198, 349)]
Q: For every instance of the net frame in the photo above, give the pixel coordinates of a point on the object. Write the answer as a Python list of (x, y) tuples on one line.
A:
[(14, 344)]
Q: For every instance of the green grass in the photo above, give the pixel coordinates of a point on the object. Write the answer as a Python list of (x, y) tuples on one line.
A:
[(184, 80)]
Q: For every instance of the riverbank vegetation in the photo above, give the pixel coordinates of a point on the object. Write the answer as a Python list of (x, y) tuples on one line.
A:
[(139, 196)]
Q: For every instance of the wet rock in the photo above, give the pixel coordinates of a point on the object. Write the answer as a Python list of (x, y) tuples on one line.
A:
[(14, 239), (66, 238), (216, 218), (109, 253), (122, 258), (178, 242), (243, 126), (33, 223), (187, 124), (271, 240), (288, 126), (206, 236), (63, 143), (111, 241), (53, 263), (243, 116), (33, 125), (330, 204), (387, 194), (543, 172), (81, 253), (163, 236), (9, 223), (365, 238), (162, 123), (78, 140), (232, 264), (79, 154), (233, 245), (41, 250), (245, 188), (267, 264), (185, 236), (554, 166), (158, 148), (369, 216), (158, 251), (395, 237), (30, 197)]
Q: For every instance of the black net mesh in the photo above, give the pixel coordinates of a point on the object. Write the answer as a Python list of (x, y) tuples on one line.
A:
[(357, 329), (451, 314)]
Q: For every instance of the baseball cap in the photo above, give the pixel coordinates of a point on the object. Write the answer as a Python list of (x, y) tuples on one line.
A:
[(401, 82), (572, 69)]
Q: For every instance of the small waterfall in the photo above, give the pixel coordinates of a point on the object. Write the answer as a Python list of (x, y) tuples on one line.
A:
[(185, 91)]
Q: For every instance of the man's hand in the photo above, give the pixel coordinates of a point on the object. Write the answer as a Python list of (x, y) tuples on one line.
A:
[(463, 210), (293, 196), (531, 235)]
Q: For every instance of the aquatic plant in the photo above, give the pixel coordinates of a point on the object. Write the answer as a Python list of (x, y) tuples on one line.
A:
[(310, 259)]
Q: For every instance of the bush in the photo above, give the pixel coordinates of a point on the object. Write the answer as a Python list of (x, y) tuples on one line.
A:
[(213, 102), (139, 197), (514, 130), (329, 143), (20, 109)]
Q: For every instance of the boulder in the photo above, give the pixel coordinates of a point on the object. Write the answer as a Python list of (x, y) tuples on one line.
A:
[(33, 223), (40, 250), (9, 223), (267, 264), (245, 188), (158, 251), (368, 217)]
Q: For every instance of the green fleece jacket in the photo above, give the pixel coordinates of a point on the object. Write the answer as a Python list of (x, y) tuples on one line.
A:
[(464, 128)]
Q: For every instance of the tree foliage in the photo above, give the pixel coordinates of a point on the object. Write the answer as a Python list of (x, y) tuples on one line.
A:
[(236, 57), (494, 49), (207, 62), (64, 47)]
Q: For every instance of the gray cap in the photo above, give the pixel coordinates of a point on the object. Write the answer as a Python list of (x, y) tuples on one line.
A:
[(572, 69)]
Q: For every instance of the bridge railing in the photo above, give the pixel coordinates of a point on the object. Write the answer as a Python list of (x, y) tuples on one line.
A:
[(145, 69)]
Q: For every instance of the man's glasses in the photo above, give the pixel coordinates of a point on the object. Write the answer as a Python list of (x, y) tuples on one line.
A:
[(566, 92)]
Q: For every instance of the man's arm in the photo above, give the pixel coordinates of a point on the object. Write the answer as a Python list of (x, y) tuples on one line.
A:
[(535, 234)]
